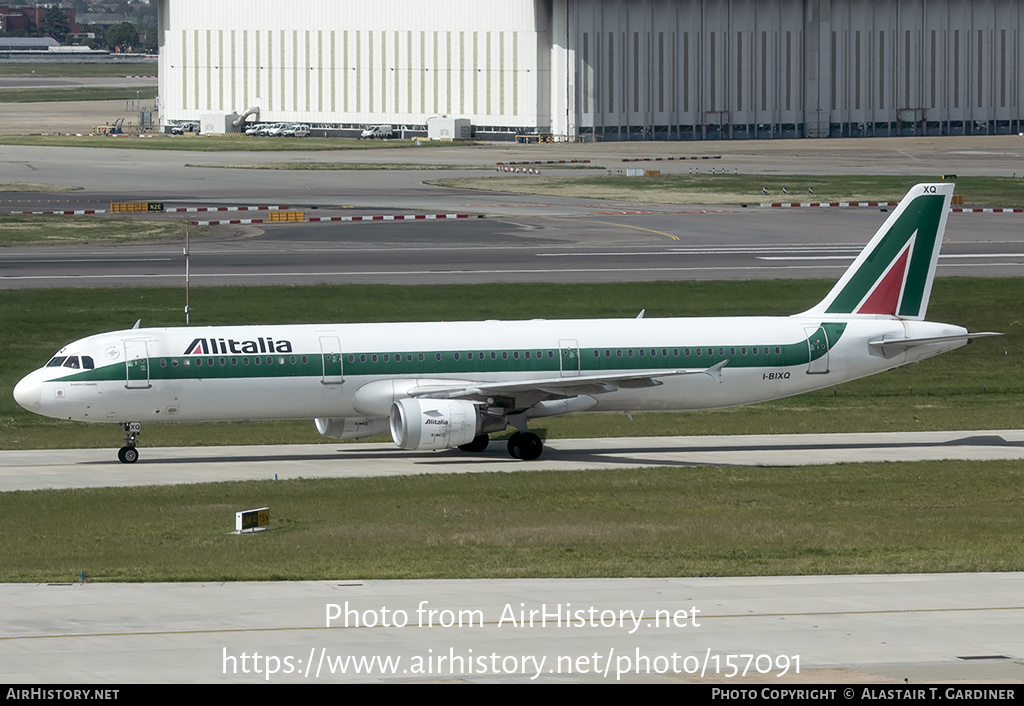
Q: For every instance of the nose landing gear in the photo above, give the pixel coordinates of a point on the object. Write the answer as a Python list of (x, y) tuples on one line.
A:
[(128, 453)]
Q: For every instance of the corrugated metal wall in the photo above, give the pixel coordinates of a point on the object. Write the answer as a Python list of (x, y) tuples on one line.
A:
[(348, 61), (621, 69), (710, 69)]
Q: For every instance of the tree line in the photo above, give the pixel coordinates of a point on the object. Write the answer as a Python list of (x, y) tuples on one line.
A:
[(139, 35)]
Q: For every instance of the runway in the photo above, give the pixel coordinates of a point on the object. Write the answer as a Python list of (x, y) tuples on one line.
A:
[(728, 245), (88, 468)]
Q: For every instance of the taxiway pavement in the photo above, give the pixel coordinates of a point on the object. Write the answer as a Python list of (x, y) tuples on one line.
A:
[(80, 468), (775, 631), (720, 245)]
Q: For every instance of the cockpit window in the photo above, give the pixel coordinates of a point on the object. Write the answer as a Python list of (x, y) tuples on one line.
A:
[(72, 361)]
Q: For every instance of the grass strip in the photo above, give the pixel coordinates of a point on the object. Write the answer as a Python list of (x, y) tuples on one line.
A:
[(707, 188), (343, 166), (77, 93), (84, 70), (88, 230), (23, 187), (696, 521)]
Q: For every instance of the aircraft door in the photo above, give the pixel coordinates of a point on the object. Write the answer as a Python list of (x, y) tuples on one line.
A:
[(817, 345), (569, 357), (330, 352), (136, 357)]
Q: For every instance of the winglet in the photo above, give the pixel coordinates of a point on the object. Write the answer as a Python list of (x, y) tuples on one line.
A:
[(893, 275)]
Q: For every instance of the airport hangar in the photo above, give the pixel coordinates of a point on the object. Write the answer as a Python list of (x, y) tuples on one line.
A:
[(599, 69)]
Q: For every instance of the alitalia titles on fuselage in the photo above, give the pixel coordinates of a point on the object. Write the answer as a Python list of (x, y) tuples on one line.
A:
[(213, 346)]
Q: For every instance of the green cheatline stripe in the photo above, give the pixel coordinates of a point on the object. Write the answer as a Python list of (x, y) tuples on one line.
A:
[(426, 363), (922, 215)]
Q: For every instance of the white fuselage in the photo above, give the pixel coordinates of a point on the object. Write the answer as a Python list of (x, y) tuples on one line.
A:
[(325, 371)]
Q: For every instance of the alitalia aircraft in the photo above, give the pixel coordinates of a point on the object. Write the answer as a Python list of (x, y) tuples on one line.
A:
[(450, 384)]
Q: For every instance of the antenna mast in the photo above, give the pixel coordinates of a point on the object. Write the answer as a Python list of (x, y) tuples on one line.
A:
[(186, 277)]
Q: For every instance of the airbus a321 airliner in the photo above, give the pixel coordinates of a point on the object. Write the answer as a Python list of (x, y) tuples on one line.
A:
[(450, 384)]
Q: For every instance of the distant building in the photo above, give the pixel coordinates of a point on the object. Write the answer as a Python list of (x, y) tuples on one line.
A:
[(30, 19), (105, 20), (637, 70), (16, 44)]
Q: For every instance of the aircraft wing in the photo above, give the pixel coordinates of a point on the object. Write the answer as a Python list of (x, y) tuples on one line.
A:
[(561, 386)]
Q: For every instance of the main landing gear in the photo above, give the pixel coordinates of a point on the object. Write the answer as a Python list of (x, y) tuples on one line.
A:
[(478, 444), (128, 453), (525, 446)]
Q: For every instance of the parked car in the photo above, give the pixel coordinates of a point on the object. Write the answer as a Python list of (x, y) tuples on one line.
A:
[(270, 129), (378, 131), (182, 128), (296, 130)]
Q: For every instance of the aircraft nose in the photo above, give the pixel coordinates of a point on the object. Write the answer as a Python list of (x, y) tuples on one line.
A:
[(28, 393)]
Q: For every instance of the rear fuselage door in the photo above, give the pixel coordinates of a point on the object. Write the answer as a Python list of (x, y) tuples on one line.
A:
[(817, 345)]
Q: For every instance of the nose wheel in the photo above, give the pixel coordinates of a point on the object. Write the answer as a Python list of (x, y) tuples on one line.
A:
[(128, 453)]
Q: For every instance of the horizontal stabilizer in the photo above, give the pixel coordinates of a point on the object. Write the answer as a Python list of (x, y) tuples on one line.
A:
[(903, 343)]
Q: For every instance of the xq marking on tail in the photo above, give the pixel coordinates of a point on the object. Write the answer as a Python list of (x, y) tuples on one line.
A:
[(451, 384)]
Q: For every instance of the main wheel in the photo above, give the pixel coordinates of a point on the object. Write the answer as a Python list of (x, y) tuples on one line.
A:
[(530, 447), (478, 444), (128, 454), (513, 444), (525, 446)]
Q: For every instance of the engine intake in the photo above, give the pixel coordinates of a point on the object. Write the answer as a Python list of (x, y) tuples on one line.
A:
[(434, 424)]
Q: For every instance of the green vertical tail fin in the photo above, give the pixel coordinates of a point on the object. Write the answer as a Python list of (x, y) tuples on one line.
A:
[(893, 275)]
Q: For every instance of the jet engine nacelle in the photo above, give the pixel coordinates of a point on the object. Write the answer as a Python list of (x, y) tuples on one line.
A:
[(433, 424), (350, 427)]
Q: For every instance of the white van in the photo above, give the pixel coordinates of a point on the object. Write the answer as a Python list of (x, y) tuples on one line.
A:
[(296, 130), (266, 130), (373, 131)]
